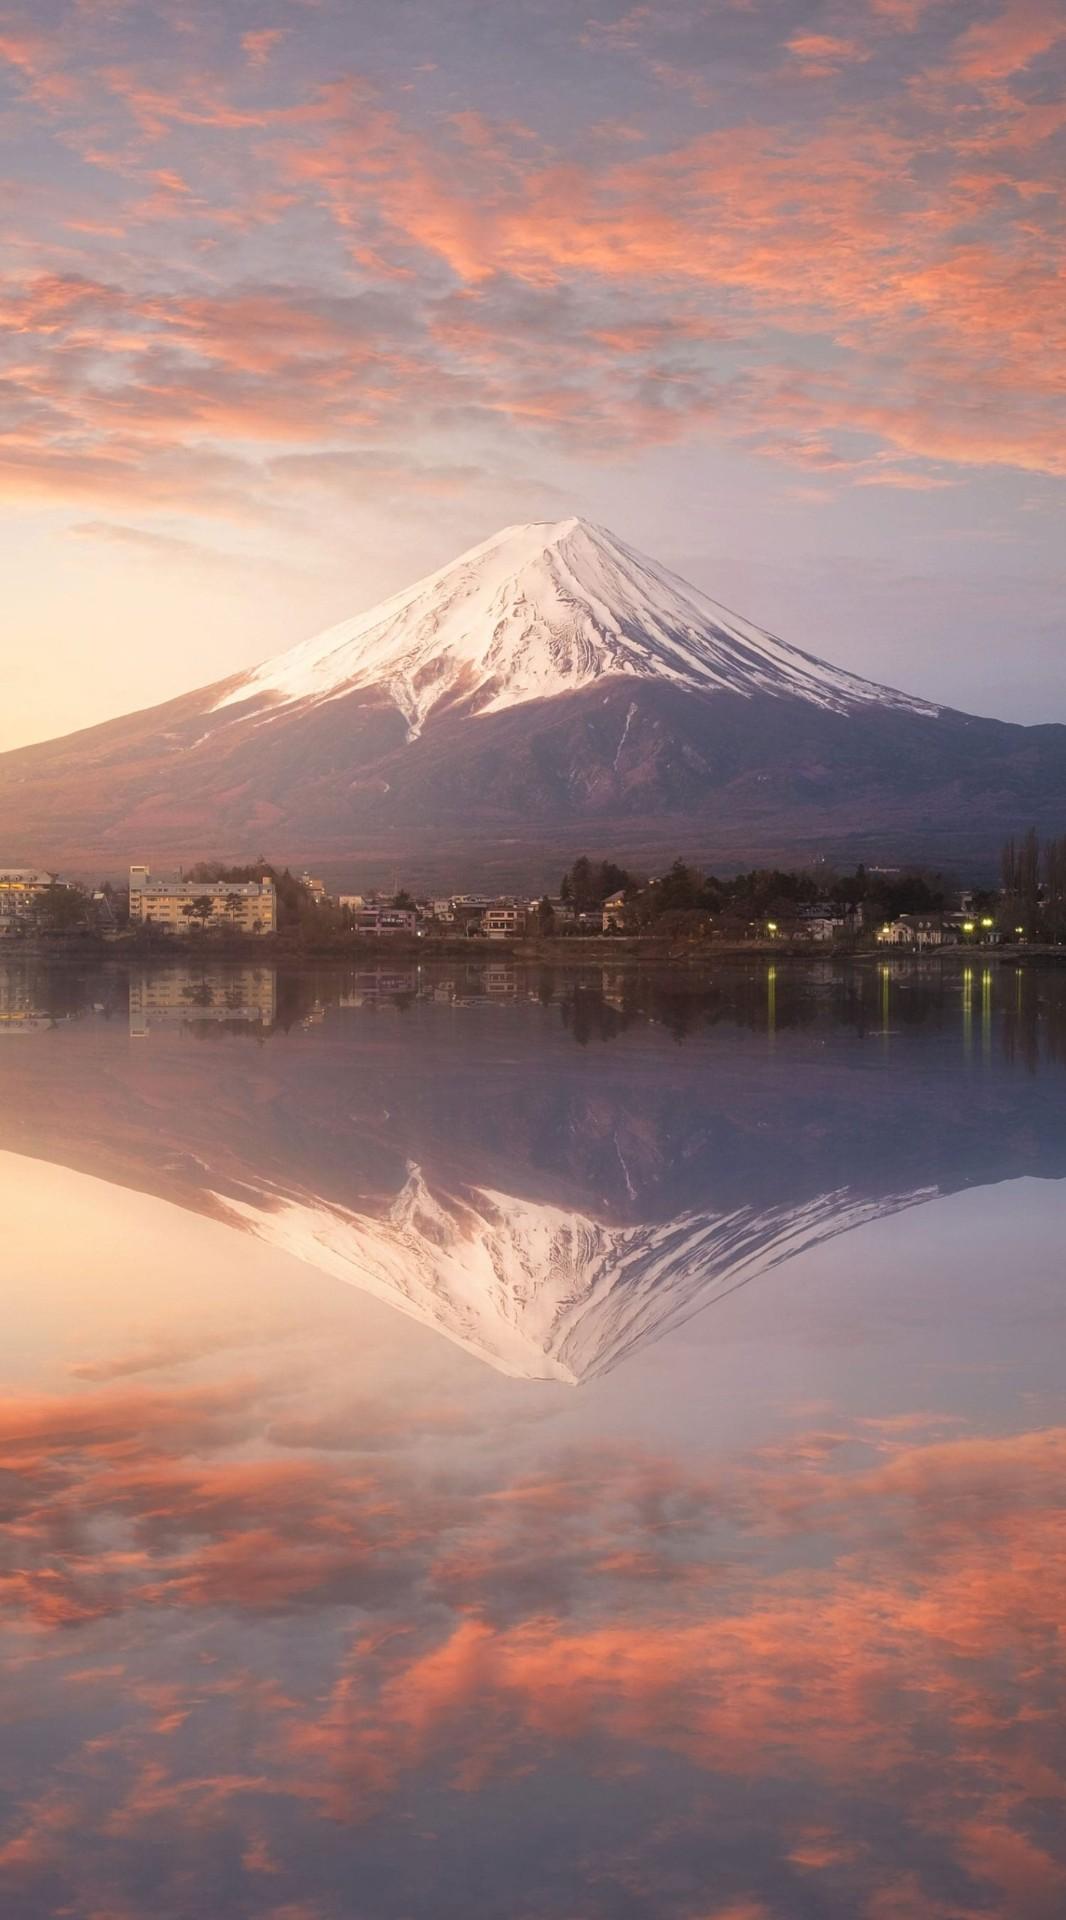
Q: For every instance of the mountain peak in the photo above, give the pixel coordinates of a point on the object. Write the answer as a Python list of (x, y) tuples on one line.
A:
[(543, 609), (551, 531), (522, 535)]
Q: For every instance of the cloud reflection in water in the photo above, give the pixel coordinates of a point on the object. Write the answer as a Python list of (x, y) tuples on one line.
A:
[(303, 1627)]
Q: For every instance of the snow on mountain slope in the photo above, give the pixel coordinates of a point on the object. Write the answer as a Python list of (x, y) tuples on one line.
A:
[(537, 1292), (541, 610)]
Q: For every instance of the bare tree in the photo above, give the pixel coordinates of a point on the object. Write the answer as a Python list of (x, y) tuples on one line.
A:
[(1055, 889)]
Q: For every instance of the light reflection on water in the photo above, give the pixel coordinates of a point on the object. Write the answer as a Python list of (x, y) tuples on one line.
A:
[(663, 1517)]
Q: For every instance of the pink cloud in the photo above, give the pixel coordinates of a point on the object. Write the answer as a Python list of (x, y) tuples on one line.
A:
[(821, 54), (903, 13), (261, 43), (37, 58), (912, 249), (1011, 40), (905, 481)]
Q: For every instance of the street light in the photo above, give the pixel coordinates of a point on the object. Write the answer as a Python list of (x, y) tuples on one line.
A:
[(771, 926)]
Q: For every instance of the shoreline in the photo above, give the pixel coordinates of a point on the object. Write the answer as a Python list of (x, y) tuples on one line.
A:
[(578, 950)]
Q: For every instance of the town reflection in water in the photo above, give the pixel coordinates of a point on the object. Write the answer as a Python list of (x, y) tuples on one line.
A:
[(664, 1517)]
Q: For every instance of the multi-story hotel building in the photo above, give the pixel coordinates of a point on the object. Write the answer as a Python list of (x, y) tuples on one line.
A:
[(182, 906), (20, 893)]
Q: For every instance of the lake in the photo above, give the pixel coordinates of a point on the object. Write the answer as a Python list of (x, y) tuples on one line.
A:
[(485, 1442)]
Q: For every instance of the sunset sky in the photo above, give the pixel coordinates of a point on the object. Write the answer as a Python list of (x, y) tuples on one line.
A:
[(301, 297)]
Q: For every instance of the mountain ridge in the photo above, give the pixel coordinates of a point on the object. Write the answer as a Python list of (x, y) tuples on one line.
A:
[(548, 691), (542, 609)]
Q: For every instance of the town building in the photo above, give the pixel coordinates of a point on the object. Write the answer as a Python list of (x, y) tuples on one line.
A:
[(613, 911), (21, 889), (385, 920), (822, 922), (462, 911), (918, 930), (187, 906), (562, 910), (504, 920)]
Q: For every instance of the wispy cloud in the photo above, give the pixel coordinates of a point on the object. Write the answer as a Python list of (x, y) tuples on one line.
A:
[(261, 43), (250, 263), (910, 249)]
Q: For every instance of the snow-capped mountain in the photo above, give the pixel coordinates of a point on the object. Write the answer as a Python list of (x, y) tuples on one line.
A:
[(543, 610), (549, 693)]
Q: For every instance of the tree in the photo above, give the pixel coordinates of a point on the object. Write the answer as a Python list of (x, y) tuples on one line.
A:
[(296, 904), (1055, 889), (681, 889), (201, 908), (849, 889), (403, 900), (1020, 873), (60, 908), (1029, 880), (587, 884), (582, 885), (678, 890), (545, 918)]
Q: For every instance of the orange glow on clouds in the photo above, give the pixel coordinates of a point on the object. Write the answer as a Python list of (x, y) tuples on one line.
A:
[(853, 229), (229, 246)]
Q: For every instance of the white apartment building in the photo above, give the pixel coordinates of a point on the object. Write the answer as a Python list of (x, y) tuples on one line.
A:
[(504, 921), (187, 906)]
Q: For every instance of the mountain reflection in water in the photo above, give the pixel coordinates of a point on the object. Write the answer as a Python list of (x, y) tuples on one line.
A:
[(308, 1614), (546, 1205)]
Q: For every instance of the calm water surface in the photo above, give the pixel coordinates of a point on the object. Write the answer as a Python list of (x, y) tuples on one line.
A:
[(486, 1444)]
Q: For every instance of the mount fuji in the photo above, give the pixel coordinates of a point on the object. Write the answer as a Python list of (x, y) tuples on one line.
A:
[(548, 690), (540, 611)]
